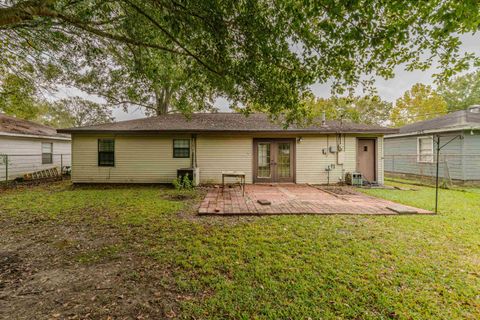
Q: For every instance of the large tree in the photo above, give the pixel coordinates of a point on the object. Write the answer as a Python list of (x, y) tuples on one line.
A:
[(253, 52), (155, 82), (462, 91), (419, 103)]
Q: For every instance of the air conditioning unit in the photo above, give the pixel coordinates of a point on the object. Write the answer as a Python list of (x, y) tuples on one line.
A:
[(192, 173), (354, 179)]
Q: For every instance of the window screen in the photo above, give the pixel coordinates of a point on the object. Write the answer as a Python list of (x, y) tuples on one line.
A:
[(47, 150), (181, 148), (425, 149), (106, 152)]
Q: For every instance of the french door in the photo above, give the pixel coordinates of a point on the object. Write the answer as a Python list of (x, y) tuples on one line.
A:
[(274, 160)]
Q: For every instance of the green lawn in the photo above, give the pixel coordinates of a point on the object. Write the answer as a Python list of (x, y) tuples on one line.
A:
[(296, 267)]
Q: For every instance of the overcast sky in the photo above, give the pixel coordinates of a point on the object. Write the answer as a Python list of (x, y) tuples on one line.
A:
[(389, 90)]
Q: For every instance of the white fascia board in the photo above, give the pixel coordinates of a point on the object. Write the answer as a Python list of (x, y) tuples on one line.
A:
[(18, 135)]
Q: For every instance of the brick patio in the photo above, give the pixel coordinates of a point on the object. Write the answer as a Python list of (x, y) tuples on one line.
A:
[(296, 199)]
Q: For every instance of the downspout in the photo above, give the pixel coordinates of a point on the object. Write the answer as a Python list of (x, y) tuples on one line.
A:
[(194, 151)]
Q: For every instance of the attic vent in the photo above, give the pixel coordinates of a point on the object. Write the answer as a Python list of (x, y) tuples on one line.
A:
[(474, 109)]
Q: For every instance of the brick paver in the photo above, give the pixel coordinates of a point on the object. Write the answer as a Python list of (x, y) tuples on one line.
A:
[(292, 199)]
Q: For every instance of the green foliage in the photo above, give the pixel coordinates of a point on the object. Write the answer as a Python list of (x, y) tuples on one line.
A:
[(19, 97), (366, 109), (461, 92), (255, 53), (419, 103), (76, 112), (183, 183)]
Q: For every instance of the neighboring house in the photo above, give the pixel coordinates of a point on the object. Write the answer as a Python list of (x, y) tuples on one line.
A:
[(411, 151), (151, 150), (26, 146)]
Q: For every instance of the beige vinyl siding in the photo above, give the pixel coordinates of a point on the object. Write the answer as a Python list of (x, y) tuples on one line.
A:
[(149, 159), (311, 162), (138, 159), (380, 160), (222, 153)]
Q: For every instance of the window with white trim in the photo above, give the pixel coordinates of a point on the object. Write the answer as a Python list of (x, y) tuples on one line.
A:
[(47, 153), (425, 149)]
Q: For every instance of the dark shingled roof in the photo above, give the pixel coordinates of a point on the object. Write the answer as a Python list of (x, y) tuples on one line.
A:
[(12, 125), (222, 122), (463, 119)]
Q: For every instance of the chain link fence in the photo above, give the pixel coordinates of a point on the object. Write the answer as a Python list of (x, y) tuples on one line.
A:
[(14, 166), (452, 167)]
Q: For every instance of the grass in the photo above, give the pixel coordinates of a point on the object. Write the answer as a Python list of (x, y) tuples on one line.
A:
[(394, 267)]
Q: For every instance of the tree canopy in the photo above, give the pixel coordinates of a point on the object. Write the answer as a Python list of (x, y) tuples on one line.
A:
[(19, 97), (461, 92), (252, 52), (419, 103), (359, 109)]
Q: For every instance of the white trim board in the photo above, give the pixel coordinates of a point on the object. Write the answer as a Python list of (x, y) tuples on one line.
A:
[(18, 135)]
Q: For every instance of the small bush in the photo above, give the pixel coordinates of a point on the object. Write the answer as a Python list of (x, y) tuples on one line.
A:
[(183, 183)]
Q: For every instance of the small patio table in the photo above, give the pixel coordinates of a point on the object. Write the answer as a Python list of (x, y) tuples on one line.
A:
[(234, 174)]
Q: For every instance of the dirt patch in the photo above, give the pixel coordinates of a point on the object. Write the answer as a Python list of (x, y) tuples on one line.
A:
[(22, 184), (178, 197), (56, 270)]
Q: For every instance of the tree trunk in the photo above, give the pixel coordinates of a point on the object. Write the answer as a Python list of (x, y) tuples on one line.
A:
[(162, 100)]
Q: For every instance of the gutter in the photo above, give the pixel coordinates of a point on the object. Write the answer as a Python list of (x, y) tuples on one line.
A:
[(426, 132), (19, 135)]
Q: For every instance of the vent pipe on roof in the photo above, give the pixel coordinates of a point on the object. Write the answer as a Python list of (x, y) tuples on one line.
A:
[(324, 119)]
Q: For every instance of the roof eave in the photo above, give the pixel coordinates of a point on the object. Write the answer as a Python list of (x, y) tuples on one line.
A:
[(426, 132), (96, 131)]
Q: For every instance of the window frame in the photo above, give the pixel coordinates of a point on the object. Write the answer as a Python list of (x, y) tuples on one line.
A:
[(421, 157), (174, 148), (47, 153), (98, 152)]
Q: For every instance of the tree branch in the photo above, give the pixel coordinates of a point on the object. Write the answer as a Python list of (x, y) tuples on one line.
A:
[(26, 11), (169, 35)]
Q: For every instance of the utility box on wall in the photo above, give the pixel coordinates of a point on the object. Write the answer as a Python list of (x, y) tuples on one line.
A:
[(340, 157)]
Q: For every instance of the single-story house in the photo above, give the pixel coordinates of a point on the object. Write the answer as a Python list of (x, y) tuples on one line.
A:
[(150, 150), (411, 152), (26, 146)]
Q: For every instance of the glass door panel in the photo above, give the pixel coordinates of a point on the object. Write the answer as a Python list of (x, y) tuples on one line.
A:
[(264, 169), (283, 160)]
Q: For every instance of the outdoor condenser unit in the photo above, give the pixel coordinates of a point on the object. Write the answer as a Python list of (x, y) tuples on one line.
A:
[(354, 179), (192, 173)]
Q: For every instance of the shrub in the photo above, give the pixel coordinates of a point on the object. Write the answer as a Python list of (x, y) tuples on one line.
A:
[(183, 183)]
